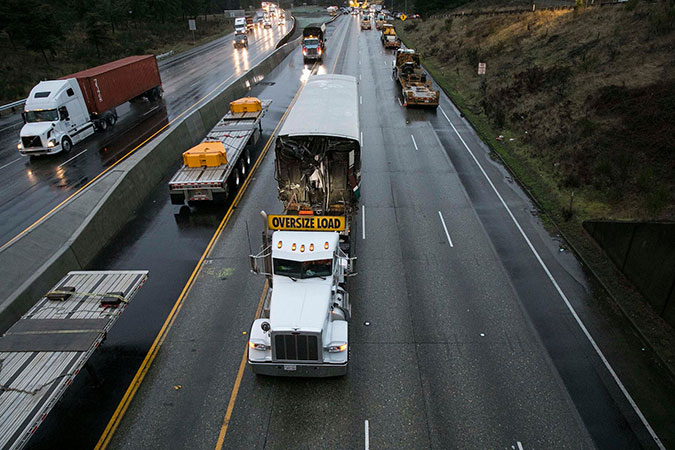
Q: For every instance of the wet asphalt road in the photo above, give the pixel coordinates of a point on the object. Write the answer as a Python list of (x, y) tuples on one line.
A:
[(469, 343), (33, 186)]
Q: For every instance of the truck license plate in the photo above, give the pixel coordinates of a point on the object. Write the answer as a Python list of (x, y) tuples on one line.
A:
[(290, 367)]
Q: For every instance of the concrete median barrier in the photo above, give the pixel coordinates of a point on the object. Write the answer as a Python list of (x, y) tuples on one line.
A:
[(71, 237)]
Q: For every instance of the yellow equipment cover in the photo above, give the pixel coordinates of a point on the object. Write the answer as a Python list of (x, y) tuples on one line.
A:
[(209, 154), (246, 104)]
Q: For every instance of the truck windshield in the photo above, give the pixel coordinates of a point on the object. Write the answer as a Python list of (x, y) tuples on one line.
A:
[(311, 42), (44, 115), (303, 269)]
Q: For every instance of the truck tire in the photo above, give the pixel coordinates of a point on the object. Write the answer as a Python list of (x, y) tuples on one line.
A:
[(102, 124), (242, 168), (235, 181), (247, 157), (112, 120), (177, 199), (66, 145)]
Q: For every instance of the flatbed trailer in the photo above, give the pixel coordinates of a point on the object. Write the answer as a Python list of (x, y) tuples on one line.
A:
[(43, 352), (237, 132), (416, 85)]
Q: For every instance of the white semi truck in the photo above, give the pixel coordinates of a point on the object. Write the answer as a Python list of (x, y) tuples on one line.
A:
[(308, 252), (60, 113)]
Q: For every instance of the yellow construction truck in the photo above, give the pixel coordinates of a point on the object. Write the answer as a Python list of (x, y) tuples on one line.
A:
[(415, 84), (388, 37)]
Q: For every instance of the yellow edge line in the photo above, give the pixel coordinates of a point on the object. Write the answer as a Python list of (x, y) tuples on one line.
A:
[(115, 420), (237, 383), (41, 219), (242, 364)]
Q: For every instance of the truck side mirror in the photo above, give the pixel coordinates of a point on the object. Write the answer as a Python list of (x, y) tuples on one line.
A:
[(23, 116), (254, 264)]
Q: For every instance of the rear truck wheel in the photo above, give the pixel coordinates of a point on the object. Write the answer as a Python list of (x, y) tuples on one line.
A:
[(235, 181), (66, 144), (247, 157), (177, 199), (112, 120), (242, 167), (102, 124)]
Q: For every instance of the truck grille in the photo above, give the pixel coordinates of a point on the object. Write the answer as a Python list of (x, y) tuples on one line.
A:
[(312, 52), (31, 141), (296, 347)]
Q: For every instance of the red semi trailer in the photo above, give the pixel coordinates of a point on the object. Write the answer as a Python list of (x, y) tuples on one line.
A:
[(60, 113)]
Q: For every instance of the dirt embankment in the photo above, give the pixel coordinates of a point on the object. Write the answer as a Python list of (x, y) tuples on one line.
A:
[(587, 97)]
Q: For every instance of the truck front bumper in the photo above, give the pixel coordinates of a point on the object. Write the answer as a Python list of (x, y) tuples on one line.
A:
[(40, 150), (299, 370)]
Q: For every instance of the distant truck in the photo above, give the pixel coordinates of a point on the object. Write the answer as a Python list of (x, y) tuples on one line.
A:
[(307, 252), (366, 23), (60, 113), (313, 43), (379, 21), (249, 23), (416, 86), (388, 37), (240, 25), (219, 164)]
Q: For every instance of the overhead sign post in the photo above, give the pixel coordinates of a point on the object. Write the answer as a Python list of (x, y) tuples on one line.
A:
[(306, 223), (481, 68)]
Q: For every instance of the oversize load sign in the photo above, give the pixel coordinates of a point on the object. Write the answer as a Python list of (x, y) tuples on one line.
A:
[(306, 223)]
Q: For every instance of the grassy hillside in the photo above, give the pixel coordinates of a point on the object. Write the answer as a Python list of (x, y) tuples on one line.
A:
[(585, 100)]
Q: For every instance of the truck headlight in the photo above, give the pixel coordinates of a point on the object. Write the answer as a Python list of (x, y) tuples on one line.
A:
[(51, 143), (337, 348), (256, 346), (19, 146)]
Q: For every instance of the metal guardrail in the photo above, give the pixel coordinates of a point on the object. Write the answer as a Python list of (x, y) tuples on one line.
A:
[(12, 106), (164, 55)]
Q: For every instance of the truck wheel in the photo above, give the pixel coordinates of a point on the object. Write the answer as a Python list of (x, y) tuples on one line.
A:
[(242, 168), (247, 158), (112, 120), (102, 124), (66, 144), (177, 199), (235, 180)]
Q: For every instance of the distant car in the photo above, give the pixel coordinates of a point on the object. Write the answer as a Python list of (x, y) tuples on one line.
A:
[(267, 24), (240, 40)]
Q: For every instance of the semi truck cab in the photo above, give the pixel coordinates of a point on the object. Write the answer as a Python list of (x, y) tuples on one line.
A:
[(303, 330), (55, 118)]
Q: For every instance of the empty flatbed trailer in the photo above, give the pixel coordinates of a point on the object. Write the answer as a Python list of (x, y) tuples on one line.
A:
[(42, 352)]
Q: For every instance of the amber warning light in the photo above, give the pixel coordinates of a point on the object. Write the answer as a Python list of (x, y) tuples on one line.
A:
[(306, 223)]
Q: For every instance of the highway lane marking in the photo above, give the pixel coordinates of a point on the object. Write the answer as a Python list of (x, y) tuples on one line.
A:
[(115, 420), (237, 382), (363, 209), (595, 346), (360, 100), (399, 102), (367, 435), (446, 229), (520, 446), (242, 364), (342, 41), (11, 126), (151, 110), (359, 77), (69, 160), (413, 139), (11, 162)]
